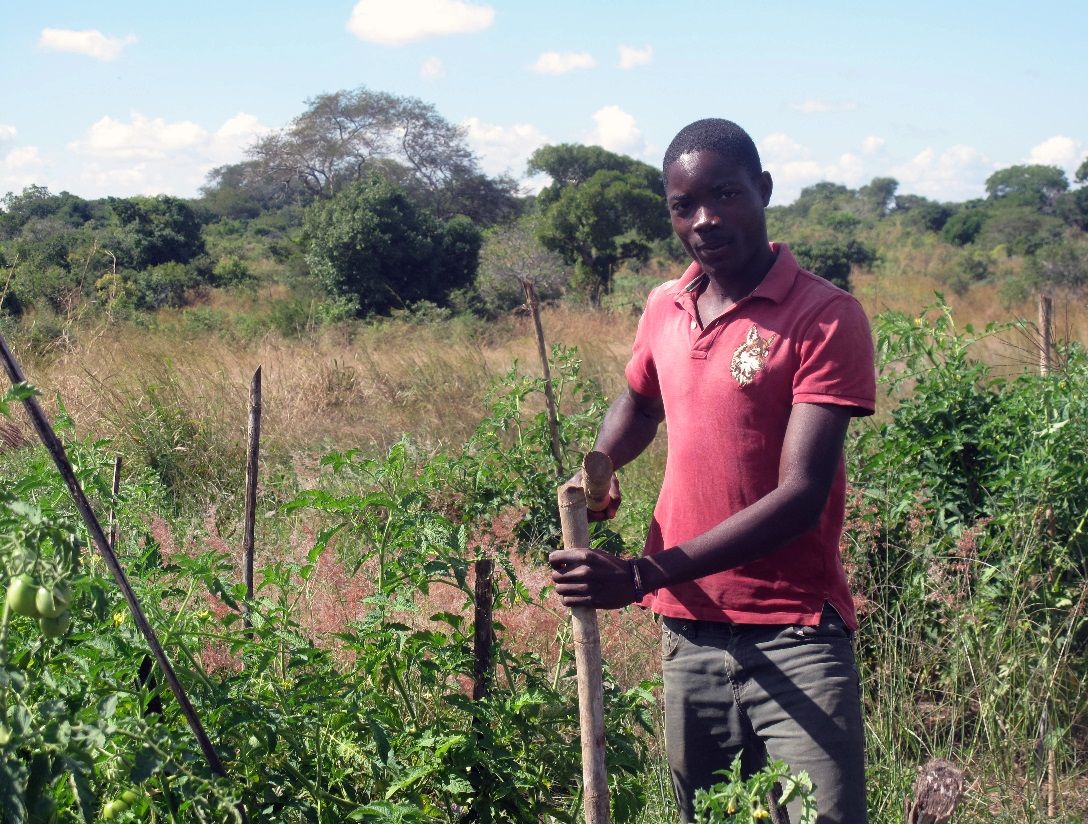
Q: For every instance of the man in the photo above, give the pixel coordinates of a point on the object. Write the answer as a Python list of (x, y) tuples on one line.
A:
[(756, 366)]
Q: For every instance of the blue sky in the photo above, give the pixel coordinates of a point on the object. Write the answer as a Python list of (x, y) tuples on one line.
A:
[(120, 97)]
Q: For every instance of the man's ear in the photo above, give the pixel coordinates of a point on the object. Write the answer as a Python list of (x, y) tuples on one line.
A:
[(766, 186)]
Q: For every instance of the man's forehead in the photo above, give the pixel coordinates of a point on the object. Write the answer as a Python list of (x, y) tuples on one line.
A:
[(704, 167)]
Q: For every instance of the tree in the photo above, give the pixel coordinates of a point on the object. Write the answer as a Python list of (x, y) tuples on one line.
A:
[(594, 218), (348, 136), (1082, 172), (154, 230), (833, 259), (373, 245), (922, 212), (963, 227), (877, 197), (511, 254), (1031, 185), (1059, 265)]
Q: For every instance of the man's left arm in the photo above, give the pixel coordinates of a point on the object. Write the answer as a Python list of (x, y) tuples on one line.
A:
[(810, 457)]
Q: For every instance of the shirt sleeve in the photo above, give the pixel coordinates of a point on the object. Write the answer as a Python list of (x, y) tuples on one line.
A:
[(641, 371), (836, 359)]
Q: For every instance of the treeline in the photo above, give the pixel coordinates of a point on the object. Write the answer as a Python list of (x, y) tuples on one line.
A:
[(368, 203)]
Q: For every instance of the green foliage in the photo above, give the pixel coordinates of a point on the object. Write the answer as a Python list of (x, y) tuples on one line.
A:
[(1033, 186), (360, 721), (963, 227), (922, 213), (155, 230), (746, 801), (373, 245), (967, 545), (833, 259)]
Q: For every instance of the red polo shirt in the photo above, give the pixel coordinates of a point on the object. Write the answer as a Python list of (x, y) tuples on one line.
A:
[(728, 388)]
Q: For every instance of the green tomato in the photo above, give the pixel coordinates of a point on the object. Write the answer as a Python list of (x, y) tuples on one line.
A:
[(55, 627), (130, 797), (21, 594), (53, 601), (108, 811), (119, 806)]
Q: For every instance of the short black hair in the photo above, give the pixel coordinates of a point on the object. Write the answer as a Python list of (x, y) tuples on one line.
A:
[(716, 135)]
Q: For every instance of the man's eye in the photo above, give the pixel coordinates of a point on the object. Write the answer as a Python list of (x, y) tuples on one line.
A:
[(725, 195)]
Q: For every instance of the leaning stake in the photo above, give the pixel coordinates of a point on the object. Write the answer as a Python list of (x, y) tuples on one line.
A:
[(573, 502), (56, 449)]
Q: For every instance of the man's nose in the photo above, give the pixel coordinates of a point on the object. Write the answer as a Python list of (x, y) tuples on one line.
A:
[(706, 218)]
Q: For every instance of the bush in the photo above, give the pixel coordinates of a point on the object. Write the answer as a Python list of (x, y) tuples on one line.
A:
[(372, 245)]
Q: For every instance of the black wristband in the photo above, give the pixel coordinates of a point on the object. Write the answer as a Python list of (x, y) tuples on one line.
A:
[(636, 579)]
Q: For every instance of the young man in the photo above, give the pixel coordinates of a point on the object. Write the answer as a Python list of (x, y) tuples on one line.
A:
[(756, 366)]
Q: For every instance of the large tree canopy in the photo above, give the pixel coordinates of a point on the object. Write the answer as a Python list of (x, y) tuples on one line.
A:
[(347, 136), (1035, 186), (374, 246), (602, 208)]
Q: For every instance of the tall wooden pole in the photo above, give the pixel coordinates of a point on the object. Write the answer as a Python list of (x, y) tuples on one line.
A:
[(1046, 330), (573, 505), (253, 453), (483, 636), (549, 393)]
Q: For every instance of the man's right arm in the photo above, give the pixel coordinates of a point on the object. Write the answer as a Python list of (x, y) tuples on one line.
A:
[(629, 426)]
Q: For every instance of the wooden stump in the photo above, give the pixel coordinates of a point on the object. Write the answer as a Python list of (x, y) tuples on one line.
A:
[(937, 791)]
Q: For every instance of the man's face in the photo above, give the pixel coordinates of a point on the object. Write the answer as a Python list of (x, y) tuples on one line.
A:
[(717, 207)]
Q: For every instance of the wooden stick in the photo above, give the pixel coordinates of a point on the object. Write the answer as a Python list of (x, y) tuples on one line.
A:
[(113, 505), (251, 484), (1046, 329), (587, 645), (549, 393), (483, 630), (56, 449)]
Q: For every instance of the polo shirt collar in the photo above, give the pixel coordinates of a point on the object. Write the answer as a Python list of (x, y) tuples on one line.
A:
[(774, 286)]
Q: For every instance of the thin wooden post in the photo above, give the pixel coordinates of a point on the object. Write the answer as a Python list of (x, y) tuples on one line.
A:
[(98, 537), (253, 453), (483, 636), (549, 392), (113, 503), (1046, 330), (573, 506)]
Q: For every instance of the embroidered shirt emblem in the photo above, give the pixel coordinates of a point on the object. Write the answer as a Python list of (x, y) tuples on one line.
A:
[(750, 357)]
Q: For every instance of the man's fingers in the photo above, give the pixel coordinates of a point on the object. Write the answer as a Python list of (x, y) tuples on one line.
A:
[(565, 557)]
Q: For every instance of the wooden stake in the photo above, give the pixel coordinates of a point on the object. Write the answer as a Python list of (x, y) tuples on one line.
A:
[(56, 449), (483, 630), (549, 393), (1046, 329), (254, 449), (587, 642), (113, 504)]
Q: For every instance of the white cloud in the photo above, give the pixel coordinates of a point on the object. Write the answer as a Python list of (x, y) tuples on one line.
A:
[(151, 155), (19, 168), (90, 42), (824, 106), (396, 22), (503, 149), (6, 132), (616, 131), (432, 69), (872, 144), (793, 167), (1058, 151), (957, 173), (630, 56), (561, 63), (141, 137)]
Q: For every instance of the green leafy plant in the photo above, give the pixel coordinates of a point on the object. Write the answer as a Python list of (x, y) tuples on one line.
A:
[(747, 800)]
